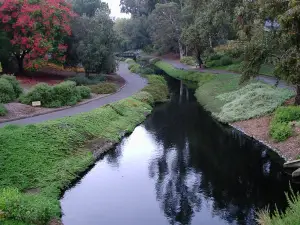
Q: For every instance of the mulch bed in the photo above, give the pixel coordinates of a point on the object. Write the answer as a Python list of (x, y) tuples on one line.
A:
[(259, 129)]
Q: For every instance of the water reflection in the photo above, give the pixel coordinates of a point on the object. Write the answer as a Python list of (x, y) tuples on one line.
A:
[(179, 167)]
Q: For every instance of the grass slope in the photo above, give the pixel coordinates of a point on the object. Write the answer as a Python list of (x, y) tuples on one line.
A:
[(39, 161)]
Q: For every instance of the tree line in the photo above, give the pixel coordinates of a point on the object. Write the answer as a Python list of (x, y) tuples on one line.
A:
[(265, 30)]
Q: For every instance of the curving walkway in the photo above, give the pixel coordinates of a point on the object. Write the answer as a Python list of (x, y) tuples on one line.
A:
[(134, 83), (263, 78)]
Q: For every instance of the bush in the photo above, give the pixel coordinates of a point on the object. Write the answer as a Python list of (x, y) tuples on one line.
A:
[(253, 100), (7, 93), (135, 68), (65, 93), (130, 61), (281, 128), (215, 63), (188, 60), (280, 131), (83, 80), (84, 92), (214, 57), (3, 110), (157, 88), (144, 96), (40, 92), (15, 83), (225, 60), (104, 88), (147, 71)]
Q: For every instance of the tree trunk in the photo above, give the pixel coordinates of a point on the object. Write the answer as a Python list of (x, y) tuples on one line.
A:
[(297, 99), (210, 42), (181, 50), (198, 56), (20, 64)]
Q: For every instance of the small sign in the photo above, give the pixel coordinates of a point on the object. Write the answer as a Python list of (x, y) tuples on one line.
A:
[(37, 103)]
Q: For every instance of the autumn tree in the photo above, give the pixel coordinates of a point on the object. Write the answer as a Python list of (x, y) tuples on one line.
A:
[(36, 29)]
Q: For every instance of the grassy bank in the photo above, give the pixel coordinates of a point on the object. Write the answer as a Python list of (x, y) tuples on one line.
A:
[(39, 161), (228, 101)]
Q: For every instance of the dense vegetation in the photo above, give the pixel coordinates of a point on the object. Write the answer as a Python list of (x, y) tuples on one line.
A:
[(9, 88), (41, 160), (63, 94)]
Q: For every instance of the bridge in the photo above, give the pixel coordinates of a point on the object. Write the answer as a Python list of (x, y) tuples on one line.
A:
[(131, 55)]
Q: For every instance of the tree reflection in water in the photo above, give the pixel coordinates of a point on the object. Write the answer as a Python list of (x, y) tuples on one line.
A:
[(201, 161)]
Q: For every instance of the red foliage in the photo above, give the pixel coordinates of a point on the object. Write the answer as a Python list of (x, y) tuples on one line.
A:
[(36, 27), (33, 81)]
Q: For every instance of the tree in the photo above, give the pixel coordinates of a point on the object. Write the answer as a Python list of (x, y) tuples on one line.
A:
[(88, 7), (35, 29), (132, 33), (165, 26), (96, 49)]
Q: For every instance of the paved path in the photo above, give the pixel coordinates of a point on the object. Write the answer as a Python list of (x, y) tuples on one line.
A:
[(265, 79), (134, 83)]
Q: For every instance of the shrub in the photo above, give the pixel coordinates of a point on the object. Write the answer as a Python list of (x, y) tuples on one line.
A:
[(65, 93), (157, 88), (84, 92), (135, 68), (188, 60), (215, 63), (147, 70), (281, 131), (144, 96), (3, 110), (214, 57), (225, 60), (40, 92), (104, 88), (83, 80), (7, 93), (281, 128), (15, 83), (253, 100), (129, 61)]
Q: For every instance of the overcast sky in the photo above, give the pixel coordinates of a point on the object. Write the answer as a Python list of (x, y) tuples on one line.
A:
[(114, 6)]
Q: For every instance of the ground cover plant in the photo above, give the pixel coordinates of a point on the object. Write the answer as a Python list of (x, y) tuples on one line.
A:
[(253, 100), (104, 88), (206, 94), (88, 80), (63, 94), (41, 160), (281, 127)]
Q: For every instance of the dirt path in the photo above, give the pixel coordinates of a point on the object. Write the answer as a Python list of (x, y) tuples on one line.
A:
[(263, 78), (134, 83)]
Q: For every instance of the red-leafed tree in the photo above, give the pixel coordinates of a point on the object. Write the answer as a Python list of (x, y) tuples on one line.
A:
[(36, 29)]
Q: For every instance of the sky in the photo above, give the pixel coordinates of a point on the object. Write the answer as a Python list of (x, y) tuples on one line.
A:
[(114, 6)]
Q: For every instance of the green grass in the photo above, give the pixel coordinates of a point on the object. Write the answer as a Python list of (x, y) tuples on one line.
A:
[(290, 217), (184, 74), (39, 161), (281, 129), (206, 94), (254, 100)]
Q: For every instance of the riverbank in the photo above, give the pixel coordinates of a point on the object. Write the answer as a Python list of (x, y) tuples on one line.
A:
[(42, 160), (241, 106)]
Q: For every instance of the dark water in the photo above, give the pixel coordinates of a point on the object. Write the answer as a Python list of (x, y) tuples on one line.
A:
[(179, 167)]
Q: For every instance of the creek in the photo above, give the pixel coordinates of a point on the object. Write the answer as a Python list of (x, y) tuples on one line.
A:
[(179, 167)]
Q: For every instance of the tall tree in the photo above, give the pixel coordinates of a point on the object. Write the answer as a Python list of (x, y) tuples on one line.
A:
[(96, 49), (88, 7), (36, 28), (166, 27)]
